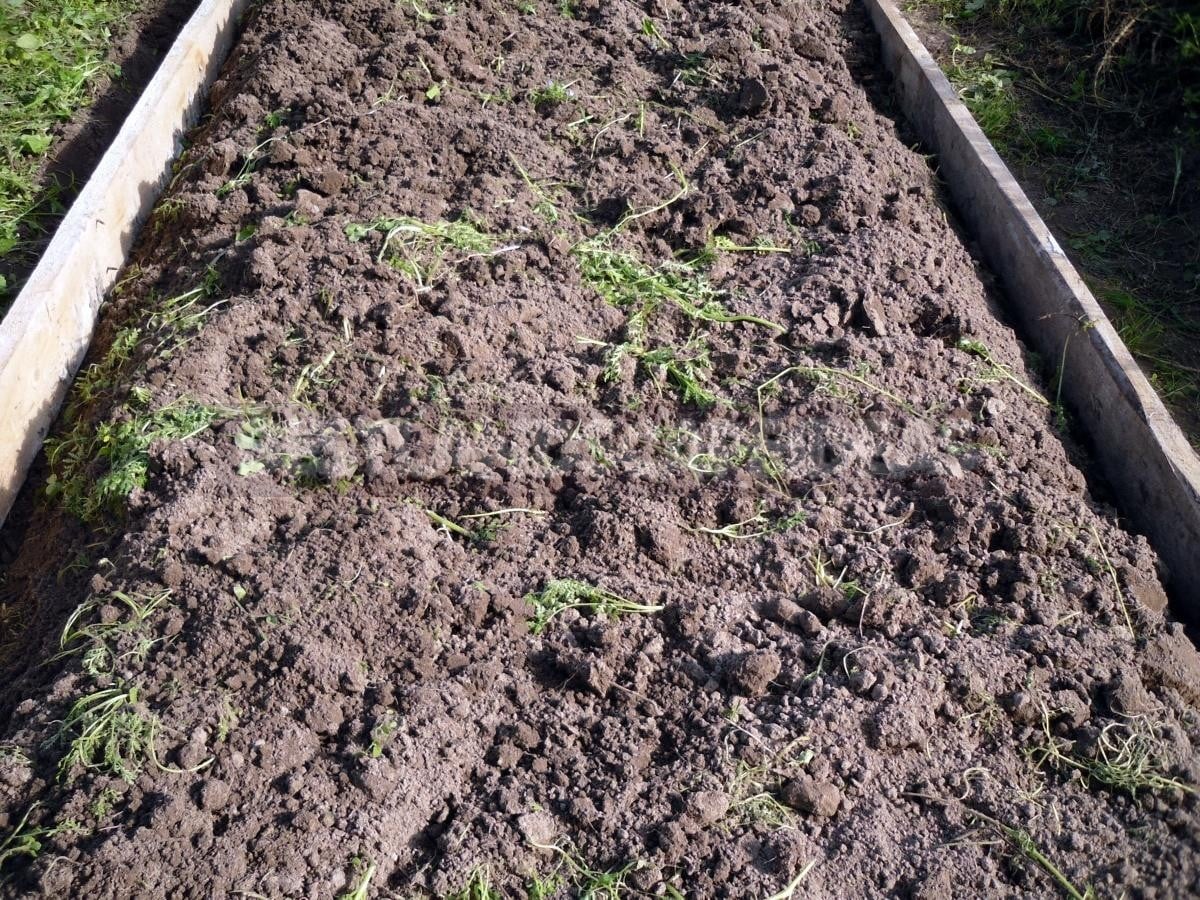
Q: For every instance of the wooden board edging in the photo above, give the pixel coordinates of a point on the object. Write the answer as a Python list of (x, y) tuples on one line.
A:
[(1153, 470)]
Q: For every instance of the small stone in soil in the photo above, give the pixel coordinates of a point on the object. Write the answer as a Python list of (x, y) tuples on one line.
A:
[(807, 795), (751, 673)]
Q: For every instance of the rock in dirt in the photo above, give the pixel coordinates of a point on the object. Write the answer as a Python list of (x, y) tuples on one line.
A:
[(708, 807), (751, 673), (817, 798), (537, 827), (752, 96), (213, 794)]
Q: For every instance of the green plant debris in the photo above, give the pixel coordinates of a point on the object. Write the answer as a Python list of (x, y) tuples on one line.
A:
[(250, 162), (95, 471), (789, 889), (626, 282), (478, 887), (51, 53), (758, 525), (1128, 756), (29, 840), (562, 594), (99, 641), (688, 368), (552, 93), (363, 873), (382, 733), (824, 576), (754, 787), (106, 731), (997, 369), (591, 883), (489, 527), (722, 244), (426, 252)]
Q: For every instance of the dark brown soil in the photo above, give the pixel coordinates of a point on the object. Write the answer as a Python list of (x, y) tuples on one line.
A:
[(138, 46), (923, 590)]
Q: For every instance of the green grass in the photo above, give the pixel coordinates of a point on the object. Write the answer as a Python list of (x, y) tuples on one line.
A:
[(986, 88), (51, 52), (425, 251), (561, 594), (93, 471)]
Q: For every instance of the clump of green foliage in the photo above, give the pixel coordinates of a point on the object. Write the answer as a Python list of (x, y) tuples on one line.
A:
[(95, 470), (562, 594), (425, 251)]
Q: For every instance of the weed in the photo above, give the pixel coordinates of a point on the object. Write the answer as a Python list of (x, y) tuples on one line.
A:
[(363, 872), (97, 640), (789, 890), (478, 887), (626, 282), (567, 8), (28, 840), (94, 472), (425, 251), (108, 733), (1112, 574), (226, 721), (313, 375), (650, 29), (1129, 756), (753, 789), (484, 533), (591, 883), (758, 525), (552, 93), (695, 70), (561, 594), (382, 733), (543, 887), (824, 577), (722, 244), (249, 164)]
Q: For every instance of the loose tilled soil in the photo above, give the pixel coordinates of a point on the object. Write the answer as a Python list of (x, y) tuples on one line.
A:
[(138, 45), (906, 596)]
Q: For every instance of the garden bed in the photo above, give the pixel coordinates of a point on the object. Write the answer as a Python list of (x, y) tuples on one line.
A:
[(541, 448)]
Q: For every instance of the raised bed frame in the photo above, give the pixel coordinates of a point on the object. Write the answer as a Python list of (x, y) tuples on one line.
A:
[(1153, 470)]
